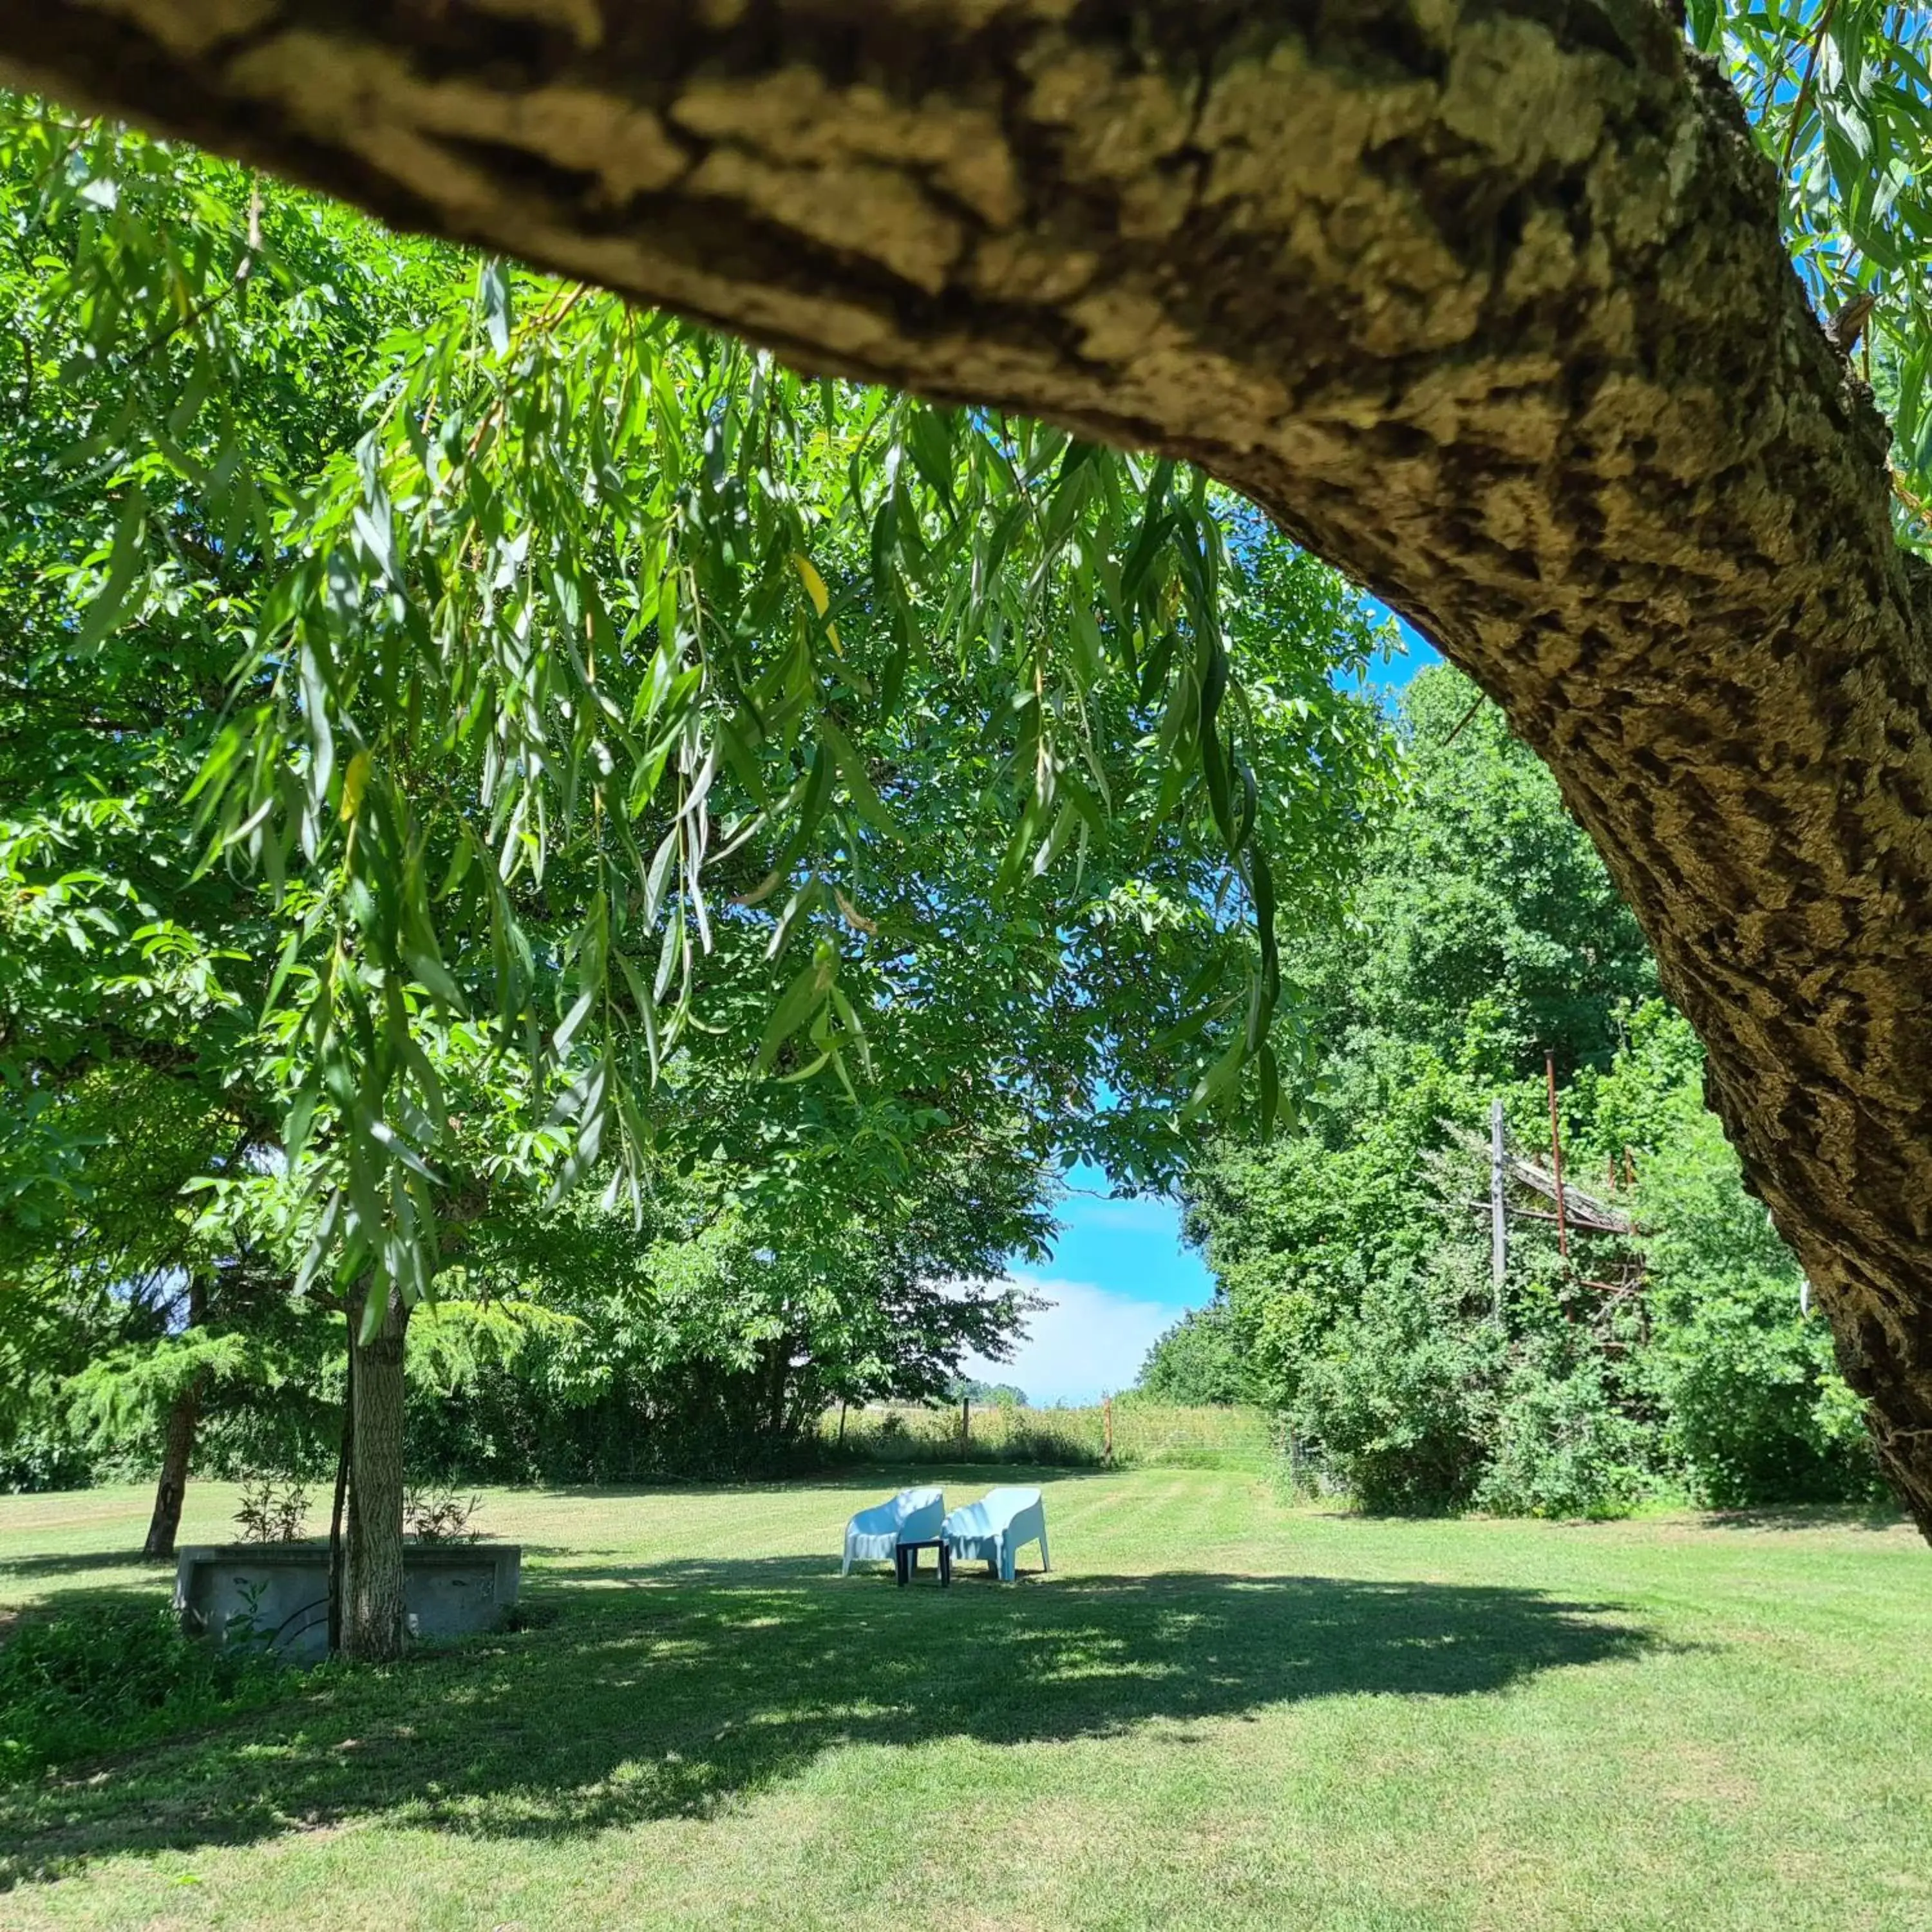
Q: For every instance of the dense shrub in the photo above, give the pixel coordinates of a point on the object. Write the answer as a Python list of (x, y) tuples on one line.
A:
[(39, 1457), (1397, 1397), (508, 1424), (74, 1686), (1757, 1411), (1563, 1446), (1488, 945), (1361, 1301)]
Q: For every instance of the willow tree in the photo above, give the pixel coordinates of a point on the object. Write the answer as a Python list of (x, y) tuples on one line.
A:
[(608, 750), (1494, 305)]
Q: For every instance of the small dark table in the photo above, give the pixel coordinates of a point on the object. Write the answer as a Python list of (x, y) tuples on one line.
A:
[(905, 1560)]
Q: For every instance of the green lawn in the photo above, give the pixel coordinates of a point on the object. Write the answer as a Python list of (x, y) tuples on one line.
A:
[(1216, 1712)]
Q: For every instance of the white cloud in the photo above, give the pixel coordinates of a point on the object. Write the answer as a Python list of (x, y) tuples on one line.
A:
[(1086, 1341)]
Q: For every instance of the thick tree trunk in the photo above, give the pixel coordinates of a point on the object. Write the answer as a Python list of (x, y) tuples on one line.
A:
[(372, 1605), (177, 1448), (1487, 304)]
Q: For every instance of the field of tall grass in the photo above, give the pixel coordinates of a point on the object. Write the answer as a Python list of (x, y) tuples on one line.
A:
[(1122, 1435)]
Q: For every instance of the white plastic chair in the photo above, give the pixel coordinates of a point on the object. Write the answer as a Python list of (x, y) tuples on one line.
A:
[(996, 1527), (874, 1534)]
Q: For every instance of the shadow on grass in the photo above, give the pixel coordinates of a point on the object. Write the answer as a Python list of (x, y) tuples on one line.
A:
[(1872, 1516), (74, 1562), (671, 1689)]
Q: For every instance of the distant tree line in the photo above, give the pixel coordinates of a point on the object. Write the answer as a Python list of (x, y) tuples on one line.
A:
[(997, 1395)]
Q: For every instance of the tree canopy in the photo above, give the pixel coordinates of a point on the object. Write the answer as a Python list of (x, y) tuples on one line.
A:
[(578, 685), (470, 738)]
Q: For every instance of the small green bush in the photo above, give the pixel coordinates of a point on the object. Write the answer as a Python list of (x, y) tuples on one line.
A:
[(1398, 1398), (272, 1510), (1564, 1448), (75, 1686)]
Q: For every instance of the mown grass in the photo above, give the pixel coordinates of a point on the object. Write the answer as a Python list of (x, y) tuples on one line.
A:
[(1217, 1712)]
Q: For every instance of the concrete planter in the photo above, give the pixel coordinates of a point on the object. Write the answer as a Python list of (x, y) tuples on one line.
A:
[(449, 1589)]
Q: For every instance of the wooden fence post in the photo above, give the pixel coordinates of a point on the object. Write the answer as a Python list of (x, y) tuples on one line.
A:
[(1107, 1423), (1498, 1213)]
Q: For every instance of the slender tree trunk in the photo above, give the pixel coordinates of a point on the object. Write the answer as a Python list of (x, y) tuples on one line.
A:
[(1489, 304), (172, 1489), (336, 1580), (372, 1612), (177, 1449), (777, 1374)]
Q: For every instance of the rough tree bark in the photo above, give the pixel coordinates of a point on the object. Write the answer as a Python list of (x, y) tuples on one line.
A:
[(1483, 299), (171, 1487), (177, 1447), (372, 1598)]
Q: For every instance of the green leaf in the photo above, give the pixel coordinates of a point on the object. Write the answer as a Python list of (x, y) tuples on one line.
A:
[(123, 565), (493, 289), (799, 1001), (859, 786)]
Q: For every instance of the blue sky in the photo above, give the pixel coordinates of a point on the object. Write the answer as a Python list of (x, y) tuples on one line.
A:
[(1120, 1274), (1392, 673)]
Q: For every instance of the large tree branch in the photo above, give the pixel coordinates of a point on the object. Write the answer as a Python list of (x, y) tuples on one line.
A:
[(1487, 303)]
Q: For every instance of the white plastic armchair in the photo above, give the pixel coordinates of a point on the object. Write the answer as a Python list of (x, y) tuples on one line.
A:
[(995, 1529), (913, 1516)]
